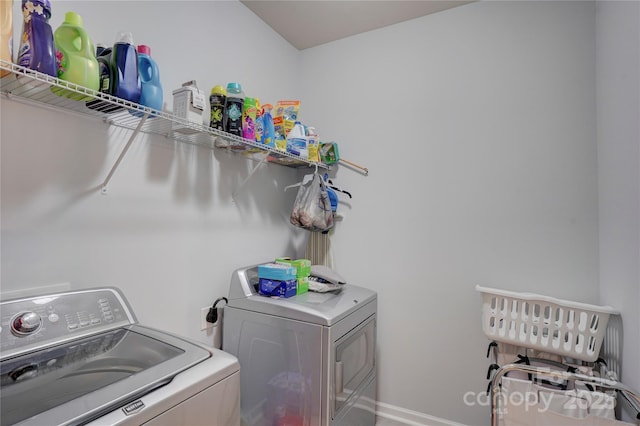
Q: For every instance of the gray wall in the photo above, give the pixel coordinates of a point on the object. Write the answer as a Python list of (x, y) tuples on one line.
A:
[(168, 232), (618, 53), (478, 125)]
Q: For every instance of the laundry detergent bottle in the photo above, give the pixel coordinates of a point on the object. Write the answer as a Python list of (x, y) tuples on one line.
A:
[(249, 118), (233, 109), (37, 49), (124, 63), (259, 127), (217, 100), (105, 72), (6, 33), (77, 61), (268, 129), (297, 141), (151, 88), (103, 56)]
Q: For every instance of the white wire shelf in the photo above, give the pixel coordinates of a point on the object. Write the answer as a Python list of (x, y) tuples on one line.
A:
[(34, 87)]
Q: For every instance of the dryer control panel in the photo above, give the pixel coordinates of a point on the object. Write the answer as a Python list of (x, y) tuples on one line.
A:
[(31, 323)]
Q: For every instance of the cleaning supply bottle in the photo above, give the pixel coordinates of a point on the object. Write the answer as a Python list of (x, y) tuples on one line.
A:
[(105, 76), (37, 49), (268, 129), (216, 111), (151, 87), (105, 71), (6, 33), (259, 122), (233, 109), (297, 141), (124, 62), (313, 144), (75, 53), (249, 119)]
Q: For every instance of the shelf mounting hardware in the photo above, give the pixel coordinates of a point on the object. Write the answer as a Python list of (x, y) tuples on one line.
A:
[(124, 151), (244, 182)]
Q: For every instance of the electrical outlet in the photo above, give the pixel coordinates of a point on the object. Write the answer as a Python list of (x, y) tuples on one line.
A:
[(203, 319)]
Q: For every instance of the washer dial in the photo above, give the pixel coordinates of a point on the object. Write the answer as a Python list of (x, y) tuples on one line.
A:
[(26, 323)]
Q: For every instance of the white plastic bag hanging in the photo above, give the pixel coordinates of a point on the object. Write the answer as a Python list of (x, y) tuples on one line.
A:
[(312, 208)]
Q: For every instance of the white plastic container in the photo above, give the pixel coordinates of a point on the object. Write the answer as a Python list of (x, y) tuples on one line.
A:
[(297, 141), (189, 103), (556, 326), (313, 144)]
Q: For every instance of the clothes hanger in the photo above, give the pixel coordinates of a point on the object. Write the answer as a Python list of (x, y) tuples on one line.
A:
[(303, 179), (335, 188), (330, 184), (292, 186)]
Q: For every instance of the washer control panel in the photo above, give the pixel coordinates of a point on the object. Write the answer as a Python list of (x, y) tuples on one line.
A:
[(34, 322)]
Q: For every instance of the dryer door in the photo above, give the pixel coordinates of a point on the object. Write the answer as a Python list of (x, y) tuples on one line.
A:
[(354, 356)]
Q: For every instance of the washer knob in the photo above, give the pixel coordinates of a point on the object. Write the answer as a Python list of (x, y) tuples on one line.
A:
[(26, 323)]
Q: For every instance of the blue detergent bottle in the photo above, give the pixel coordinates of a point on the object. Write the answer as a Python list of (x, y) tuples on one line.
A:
[(151, 88), (268, 129), (37, 49), (259, 123), (124, 63)]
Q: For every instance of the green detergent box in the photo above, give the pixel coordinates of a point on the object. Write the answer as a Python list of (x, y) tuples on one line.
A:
[(303, 266), (302, 285), (303, 270)]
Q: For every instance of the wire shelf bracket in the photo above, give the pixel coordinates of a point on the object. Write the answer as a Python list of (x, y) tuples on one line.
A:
[(123, 153)]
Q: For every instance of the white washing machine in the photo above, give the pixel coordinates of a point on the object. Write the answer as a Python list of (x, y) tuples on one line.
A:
[(79, 358), (306, 360)]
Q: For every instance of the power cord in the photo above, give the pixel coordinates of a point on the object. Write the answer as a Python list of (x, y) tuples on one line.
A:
[(212, 315)]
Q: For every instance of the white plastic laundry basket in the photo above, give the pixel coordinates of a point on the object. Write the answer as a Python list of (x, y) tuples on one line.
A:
[(561, 327), (523, 403)]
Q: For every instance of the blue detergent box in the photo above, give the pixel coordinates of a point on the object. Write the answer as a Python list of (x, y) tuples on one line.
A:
[(277, 271), (269, 287)]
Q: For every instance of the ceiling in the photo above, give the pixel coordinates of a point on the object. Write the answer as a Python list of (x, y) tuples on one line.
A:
[(309, 23)]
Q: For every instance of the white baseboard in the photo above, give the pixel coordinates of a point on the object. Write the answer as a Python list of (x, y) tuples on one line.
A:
[(410, 417)]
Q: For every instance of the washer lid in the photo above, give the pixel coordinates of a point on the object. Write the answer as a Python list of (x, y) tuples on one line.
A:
[(318, 308), (83, 379)]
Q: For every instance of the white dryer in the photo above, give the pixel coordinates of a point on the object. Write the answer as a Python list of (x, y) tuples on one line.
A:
[(306, 360)]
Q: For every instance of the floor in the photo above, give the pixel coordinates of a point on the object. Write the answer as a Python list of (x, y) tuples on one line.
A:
[(381, 421)]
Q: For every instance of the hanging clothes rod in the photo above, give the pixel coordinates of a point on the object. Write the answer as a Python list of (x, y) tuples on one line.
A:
[(354, 165)]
